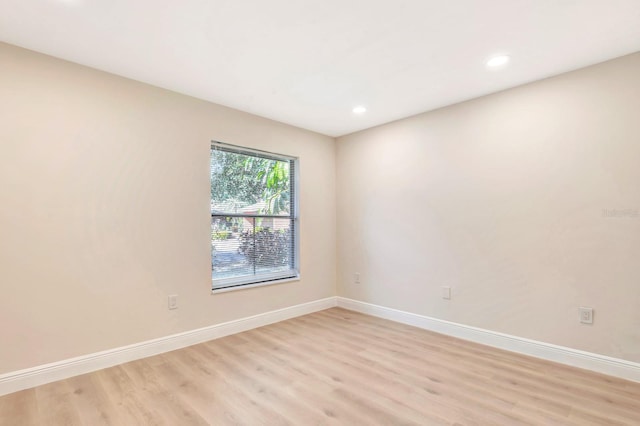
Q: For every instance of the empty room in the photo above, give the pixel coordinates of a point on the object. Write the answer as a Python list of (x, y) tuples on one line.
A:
[(314, 212)]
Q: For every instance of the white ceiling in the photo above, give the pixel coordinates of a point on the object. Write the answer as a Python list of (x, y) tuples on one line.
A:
[(309, 62)]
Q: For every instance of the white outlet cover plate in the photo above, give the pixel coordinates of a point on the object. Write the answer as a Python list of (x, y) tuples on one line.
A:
[(446, 293), (586, 315), (173, 301)]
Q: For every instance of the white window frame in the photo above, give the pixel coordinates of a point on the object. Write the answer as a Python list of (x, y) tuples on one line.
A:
[(238, 283)]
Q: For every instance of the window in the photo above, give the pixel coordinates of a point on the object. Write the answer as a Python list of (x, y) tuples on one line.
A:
[(254, 225)]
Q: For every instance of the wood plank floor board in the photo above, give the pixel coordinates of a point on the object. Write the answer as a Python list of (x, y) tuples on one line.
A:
[(247, 401), (309, 381), (20, 405), (128, 402), (267, 385), (391, 382), (91, 401), (541, 383), (333, 367), (548, 394), (472, 388), (200, 387), (474, 395), (53, 404), (329, 370)]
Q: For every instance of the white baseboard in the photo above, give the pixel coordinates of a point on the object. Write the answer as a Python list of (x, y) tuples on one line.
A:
[(589, 361), (28, 378)]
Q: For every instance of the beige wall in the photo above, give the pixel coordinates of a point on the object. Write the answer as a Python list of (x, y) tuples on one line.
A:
[(104, 211), (501, 198)]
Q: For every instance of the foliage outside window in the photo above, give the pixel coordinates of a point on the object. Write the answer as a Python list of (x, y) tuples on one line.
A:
[(253, 217)]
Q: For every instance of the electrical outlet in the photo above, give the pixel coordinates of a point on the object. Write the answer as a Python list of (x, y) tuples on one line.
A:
[(446, 293), (356, 278), (173, 301), (586, 315)]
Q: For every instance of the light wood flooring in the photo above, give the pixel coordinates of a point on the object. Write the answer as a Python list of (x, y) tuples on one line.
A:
[(333, 367)]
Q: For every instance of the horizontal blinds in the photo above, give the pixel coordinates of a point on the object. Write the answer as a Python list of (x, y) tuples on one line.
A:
[(253, 238), (255, 249)]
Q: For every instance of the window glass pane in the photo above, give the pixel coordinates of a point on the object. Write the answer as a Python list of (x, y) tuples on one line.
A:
[(253, 223), (251, 247), (271, 244), (248, 184), (229, 259)]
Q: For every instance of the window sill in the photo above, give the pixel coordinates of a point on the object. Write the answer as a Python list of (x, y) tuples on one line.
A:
[(248, 286)]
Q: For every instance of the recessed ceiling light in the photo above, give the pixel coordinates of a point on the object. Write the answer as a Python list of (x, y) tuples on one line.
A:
[(497, 61), (359, 110)]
